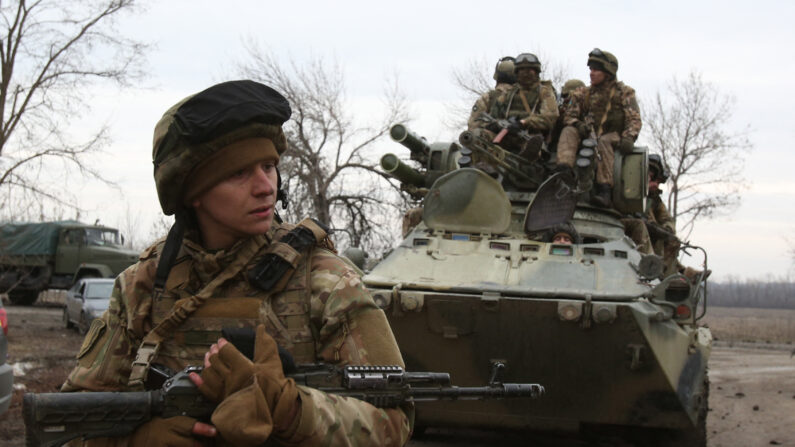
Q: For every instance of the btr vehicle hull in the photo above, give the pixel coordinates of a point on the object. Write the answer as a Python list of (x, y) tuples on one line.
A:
[(617, 348)]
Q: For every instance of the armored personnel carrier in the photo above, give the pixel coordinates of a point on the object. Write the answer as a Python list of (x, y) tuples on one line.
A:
[(616, 345)]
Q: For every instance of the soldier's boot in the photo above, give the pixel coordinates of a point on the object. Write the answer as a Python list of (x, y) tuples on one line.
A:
[(531, 150), (565, 173), (603, 194)]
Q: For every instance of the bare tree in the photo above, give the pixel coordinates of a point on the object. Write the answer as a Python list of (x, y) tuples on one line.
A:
[(689, 124), (475, 78), (330, 170), (51, 51)]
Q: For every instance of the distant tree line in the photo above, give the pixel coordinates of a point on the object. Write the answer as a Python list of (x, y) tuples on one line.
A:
[(767, 294)]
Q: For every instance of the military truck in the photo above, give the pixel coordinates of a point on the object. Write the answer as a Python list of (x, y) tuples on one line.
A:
[(617, 346), (53, 255)]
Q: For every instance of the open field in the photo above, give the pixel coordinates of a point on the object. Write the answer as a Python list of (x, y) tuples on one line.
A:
[(738, 324)]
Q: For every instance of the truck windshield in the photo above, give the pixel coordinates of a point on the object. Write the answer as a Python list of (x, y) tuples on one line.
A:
[(99, 236)]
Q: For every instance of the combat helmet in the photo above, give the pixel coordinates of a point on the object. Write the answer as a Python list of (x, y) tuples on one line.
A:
[(603, 60), (527, 60), (657, 168), (570, 86), (504, 70), (195, 129)]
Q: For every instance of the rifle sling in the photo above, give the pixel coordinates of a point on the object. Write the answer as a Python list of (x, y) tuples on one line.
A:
[(183, 309)]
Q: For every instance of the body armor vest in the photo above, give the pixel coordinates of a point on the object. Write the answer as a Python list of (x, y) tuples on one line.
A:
[(236, 304)]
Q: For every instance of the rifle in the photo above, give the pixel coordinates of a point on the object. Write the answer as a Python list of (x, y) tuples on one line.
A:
[(52, 419)]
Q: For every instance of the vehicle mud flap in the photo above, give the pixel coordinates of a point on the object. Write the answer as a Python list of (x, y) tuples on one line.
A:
[(553, 204)]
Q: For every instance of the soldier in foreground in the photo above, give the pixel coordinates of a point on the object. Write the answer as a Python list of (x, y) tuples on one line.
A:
[(229, 261), (607, 110), (505, 78)]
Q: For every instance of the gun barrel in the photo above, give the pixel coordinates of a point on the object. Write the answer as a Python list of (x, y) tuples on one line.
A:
[(416, 144), (401, 171)]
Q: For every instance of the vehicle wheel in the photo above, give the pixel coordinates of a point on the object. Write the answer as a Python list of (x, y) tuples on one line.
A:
[(697, 436), (82, 326), (23, 297), (67, 324)]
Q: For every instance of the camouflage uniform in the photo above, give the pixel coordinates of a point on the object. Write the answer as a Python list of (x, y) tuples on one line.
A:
[(322, 314), (614, 112), (636, 229), (539, 109), (484, 105)]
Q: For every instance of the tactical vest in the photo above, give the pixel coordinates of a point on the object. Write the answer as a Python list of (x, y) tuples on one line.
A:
[(597, 102), (237, 303), (511, 104)]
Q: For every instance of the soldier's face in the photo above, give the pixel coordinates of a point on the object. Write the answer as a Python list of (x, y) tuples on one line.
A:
[(654, 184), (526, 76), (597, 76), (562, 238), (240, 206)]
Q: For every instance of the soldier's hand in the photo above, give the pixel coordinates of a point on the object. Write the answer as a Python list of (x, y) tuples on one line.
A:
[(268, 404), (626, 145), (582, 129), (178, 431), (226, 371)]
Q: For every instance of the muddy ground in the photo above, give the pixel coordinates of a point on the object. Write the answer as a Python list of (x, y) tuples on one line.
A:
[(752, 399)]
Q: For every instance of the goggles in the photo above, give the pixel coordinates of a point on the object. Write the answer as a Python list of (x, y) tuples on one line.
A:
[(596, 52), (527, 58)]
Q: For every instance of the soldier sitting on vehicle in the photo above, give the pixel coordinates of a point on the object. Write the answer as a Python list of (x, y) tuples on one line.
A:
[(655, 231), (529, 105), (608, 111), (563, 102), (505, 77)]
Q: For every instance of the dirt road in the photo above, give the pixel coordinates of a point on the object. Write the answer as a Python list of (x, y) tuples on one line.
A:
[(752, 399)]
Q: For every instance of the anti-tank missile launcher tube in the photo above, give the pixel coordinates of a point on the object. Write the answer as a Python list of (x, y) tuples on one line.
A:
[(420, 149), (401, 171)]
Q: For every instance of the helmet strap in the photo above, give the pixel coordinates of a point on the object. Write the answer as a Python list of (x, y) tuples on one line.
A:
[(170, 251)]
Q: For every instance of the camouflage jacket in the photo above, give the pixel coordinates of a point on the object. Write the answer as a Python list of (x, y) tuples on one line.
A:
[(322, 314), (484, 104), (657, 212), (540, 111), (591, 104)]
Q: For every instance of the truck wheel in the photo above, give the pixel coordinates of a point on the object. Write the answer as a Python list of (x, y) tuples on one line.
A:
[(67, 324), (23, 297)]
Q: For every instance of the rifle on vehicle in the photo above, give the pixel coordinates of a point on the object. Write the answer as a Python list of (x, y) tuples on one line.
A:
[(52, 419)]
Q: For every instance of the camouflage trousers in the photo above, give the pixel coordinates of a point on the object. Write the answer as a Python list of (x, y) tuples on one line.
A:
[(668, 250), (569, 144)]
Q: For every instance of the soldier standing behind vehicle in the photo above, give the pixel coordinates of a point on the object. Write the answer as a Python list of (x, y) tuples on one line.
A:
[(229, 261), (505, 77), (607, 110)]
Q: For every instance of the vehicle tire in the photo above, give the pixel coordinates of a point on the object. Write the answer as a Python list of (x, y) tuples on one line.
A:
[(83, 324), (67, 324), (697, 436), (23, 297)]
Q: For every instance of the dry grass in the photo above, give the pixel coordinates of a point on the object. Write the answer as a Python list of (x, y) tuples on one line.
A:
[(751, 324)]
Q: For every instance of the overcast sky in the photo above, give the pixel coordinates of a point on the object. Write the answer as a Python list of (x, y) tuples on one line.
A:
[(744, 48)]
